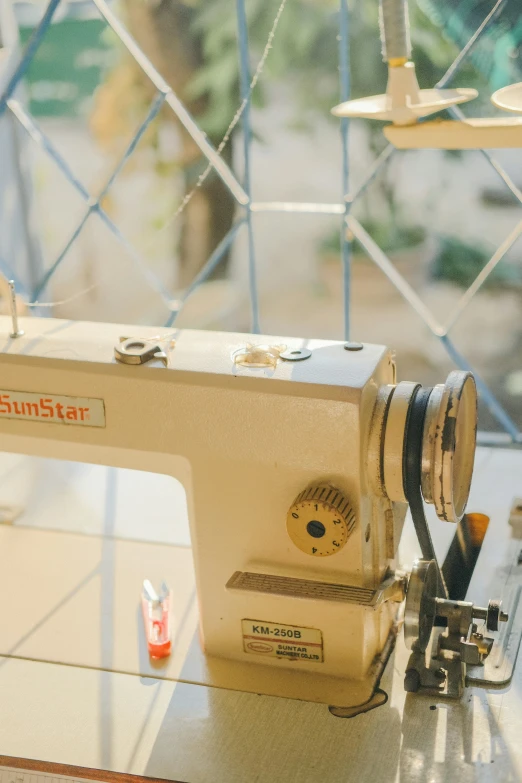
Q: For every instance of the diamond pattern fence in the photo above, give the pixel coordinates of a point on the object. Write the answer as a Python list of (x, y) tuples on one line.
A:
[(10, 102)]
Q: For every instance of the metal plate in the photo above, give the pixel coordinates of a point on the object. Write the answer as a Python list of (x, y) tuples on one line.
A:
[(296, 354)]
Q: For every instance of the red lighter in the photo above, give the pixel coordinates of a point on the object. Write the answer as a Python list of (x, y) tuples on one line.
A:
[(156, 616)]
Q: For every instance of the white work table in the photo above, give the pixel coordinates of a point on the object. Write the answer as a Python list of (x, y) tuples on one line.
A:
[(74, 544)]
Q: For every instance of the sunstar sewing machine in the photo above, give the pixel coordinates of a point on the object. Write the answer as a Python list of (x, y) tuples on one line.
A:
[(298, 458)]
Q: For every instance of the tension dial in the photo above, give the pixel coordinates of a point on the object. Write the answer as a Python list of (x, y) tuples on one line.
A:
[(320, 520)]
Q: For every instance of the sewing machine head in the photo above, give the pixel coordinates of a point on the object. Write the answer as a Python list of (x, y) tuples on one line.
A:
[(298, 458)]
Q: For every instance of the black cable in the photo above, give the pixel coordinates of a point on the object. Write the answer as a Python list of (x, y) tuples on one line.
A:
[(411, 472)]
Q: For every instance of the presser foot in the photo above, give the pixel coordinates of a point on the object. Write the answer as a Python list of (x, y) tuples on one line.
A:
[(447, 658), (445, 679)]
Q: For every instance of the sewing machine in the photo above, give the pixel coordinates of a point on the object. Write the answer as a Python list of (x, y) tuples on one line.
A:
[(298, 458)]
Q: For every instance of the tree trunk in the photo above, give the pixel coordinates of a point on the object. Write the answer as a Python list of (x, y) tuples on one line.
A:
[(163, 32)]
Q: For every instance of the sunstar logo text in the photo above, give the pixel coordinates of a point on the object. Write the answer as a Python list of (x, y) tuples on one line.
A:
[(83, 411), (44, 408)]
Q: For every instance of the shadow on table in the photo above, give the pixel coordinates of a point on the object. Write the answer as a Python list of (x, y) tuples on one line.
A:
[(225, 736)]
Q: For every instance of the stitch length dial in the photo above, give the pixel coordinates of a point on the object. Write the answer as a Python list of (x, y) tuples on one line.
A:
[(320, 521)]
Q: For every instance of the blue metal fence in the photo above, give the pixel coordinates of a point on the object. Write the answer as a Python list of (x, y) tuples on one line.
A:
[(241, 192)]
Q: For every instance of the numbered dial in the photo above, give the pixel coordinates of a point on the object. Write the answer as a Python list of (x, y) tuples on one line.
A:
[(320, 521)]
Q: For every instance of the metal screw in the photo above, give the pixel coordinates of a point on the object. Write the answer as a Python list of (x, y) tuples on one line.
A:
[(14, 315), (353, 346)]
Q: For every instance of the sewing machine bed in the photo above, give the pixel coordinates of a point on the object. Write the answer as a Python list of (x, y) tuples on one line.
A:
[(75, 545)]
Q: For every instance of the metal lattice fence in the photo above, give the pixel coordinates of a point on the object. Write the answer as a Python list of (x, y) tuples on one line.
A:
[(241, 191)]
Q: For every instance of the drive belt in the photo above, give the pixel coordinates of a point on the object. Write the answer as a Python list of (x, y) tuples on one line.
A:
[(411, 471)]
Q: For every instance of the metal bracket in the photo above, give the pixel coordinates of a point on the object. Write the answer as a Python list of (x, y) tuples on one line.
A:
[(498, 667), (448, 678), (133, 350), (445, 660)]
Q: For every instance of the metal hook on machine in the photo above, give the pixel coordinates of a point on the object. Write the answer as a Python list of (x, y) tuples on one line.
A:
[(133, 350), (440, 656)]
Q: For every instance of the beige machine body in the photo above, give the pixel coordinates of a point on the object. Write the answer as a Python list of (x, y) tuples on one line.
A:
[(245, 441)]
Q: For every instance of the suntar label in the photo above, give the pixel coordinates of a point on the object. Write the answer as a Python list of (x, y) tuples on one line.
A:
[(288, 642), (52, 408)]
